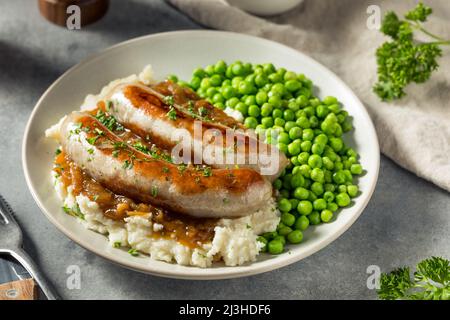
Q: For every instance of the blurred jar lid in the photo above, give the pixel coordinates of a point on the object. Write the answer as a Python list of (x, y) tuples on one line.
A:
[(55, 11)]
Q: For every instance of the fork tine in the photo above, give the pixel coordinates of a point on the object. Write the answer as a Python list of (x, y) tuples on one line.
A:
[(6, 212)]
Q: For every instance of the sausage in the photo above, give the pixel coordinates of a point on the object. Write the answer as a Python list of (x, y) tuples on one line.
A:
[(194, 191), (166, 108)]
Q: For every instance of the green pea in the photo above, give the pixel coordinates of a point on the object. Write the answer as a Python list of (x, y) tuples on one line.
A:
[(356, 169), (195, 82), (303, 122), (315, 161), (337, 144), (250, 122), (216, 80), (242, 108), (261, 80), (303, 156), (284, 231), (275, 101), (275, 247), (301, 193), (293, 106), (199, 72), (330, 100), (289, 75), (287, 218), (328, 196), (205, 83), (305, 170), (266, 109), (306, 146), (280, 238), (302, 223), (352, 190), (209, 70), (343, 199), (292, 85), (288, 115), (279, 122), (277, 184), (297, 180), (275, 77), (254, 111), (308, 134), (289, 125), (295, 237), (237, 69), (268, 68), (332, 206), (317, 188), (285, 206), (314, 218), (282, 147), (339, 177), (322, 111), (317, 148), (219, 105), (305, 207), (319, 204), (294, 148), (327, 163), (277, 113), (245, 88), (317, 175), (267, 122), (232, 102), (295, 133), (342, 188), (269, 235), (326, 215)]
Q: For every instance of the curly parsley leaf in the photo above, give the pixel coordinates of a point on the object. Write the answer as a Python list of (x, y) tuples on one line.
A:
[(403, 60), (431, 281)]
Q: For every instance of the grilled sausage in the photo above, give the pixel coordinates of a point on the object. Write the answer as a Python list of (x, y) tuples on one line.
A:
[(195, 191), (166, 108)]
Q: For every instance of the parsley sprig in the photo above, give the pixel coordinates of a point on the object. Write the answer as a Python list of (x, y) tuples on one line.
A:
[(404, 60), (431, 281)]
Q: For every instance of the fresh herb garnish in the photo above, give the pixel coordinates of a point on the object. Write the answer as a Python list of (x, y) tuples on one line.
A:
[(165, 170), (92, 140), (58, 151), (133, 252), (404, 60), (74, 211), (109, 121), (90, 150), (431, 281), (207, 172), (154, 191), (172, 114), (127, 164), (115, 153), (117, 244), (169, 100)]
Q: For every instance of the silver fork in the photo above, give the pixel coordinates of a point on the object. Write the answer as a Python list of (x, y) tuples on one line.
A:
[(11, 244)]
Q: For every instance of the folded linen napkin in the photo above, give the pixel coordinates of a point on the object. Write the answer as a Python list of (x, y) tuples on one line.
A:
[(413, 131)]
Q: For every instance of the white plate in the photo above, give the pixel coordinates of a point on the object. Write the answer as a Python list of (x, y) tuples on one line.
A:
[(179, 53)]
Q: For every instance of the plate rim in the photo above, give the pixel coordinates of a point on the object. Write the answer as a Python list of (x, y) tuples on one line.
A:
[(231, 272)]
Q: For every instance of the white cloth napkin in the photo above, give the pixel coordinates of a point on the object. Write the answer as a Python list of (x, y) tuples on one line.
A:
[(414, 131)]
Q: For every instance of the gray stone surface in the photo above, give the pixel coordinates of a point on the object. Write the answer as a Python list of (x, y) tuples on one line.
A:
[(407, 219)]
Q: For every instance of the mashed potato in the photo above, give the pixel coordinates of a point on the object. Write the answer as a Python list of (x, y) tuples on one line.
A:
[(234, 240)]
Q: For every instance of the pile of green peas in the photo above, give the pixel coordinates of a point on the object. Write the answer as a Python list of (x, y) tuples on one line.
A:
[(281, 105)]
